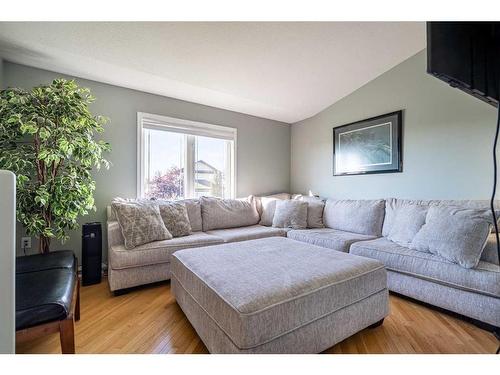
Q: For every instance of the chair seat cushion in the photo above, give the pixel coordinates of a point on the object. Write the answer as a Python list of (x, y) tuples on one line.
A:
[(257, 291), (484, 279), (158, 251), (43, 296), (52, 260), (330, 238), (252, 232)]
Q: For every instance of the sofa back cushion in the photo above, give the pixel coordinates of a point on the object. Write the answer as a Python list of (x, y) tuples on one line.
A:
[(456, 234), (393, 204), (228, 213), (259, 200), (357, 216), (408, 221)]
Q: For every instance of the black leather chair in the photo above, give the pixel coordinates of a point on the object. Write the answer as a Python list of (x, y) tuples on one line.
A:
[(47, 297)]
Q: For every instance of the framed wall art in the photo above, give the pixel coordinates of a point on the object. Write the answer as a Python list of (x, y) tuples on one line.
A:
[(373, 145)]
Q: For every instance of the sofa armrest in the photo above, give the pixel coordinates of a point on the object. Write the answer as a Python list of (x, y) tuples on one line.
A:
[(490, 253), (115, 237)]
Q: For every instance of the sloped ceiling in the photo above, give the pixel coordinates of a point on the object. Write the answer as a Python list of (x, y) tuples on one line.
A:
[(286, 71)]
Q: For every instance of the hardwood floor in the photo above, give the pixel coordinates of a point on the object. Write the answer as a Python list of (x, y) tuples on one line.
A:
[(148, 320)]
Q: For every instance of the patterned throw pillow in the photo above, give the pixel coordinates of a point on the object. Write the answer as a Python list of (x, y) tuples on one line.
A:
[(175, 217), (290, 214), (140, 223)]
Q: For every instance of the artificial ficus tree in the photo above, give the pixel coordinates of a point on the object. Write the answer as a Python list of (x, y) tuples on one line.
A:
[(47, 138)]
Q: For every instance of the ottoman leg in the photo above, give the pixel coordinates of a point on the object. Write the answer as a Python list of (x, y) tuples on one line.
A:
[(67, 335), (378, 324)]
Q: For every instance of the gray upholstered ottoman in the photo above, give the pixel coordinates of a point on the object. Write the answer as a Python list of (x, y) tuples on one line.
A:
[(277, 295)]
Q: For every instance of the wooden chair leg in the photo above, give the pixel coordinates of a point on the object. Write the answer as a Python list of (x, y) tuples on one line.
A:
[(77, 304), (67, 335)]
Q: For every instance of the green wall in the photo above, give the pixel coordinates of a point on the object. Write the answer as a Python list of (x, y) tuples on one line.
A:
[(263, 146), (447, 140)]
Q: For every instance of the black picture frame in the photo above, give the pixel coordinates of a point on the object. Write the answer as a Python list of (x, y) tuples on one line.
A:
[(369, 146)]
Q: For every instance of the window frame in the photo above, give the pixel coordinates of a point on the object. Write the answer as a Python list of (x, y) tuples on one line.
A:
[(189, 128)]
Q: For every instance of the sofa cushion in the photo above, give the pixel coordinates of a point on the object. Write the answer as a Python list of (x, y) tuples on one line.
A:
[(140, 223), (315, 208), (290, 214), (193, 207), (393, 204), (252, 232), (175, 217), (228, 213), (111, 214), (315, 214), (267, 209), (490, 252), (456, 234), (485, 278), (357, 216), (280, 196), (408, 221), (329, 238), (158, 251)]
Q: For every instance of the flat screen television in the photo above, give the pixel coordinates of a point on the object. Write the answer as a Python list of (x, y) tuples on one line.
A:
[(467, 56)]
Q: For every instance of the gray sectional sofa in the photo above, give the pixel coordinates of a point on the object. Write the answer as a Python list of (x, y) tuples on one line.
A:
[(150, 262), (358, 227)]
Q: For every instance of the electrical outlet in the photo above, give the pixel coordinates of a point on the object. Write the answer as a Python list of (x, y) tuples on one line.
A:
[(26, 243)]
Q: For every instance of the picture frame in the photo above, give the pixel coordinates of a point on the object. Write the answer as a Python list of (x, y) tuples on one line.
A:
[(369, 146)]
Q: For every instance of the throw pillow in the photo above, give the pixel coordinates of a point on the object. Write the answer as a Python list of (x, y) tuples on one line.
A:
[(175, 217), (193, 207), (268, 207), (457, 235), (290, 214), (315, 209), (407, 222), (140, 223)]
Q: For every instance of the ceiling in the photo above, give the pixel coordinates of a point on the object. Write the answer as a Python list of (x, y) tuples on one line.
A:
[(285, 71)]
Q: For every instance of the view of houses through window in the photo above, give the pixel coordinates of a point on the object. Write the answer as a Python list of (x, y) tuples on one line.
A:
[(177, 165)]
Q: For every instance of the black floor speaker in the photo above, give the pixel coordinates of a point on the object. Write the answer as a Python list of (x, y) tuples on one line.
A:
[(91, 253)]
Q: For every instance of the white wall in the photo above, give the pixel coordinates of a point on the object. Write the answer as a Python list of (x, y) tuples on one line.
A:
[(447, 140), (263, 149), (7, 261)]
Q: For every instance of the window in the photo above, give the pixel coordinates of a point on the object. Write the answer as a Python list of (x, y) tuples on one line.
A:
[(184, 159)]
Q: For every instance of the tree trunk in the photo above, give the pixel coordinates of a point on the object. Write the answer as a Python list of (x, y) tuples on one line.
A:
[(44, 244)]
